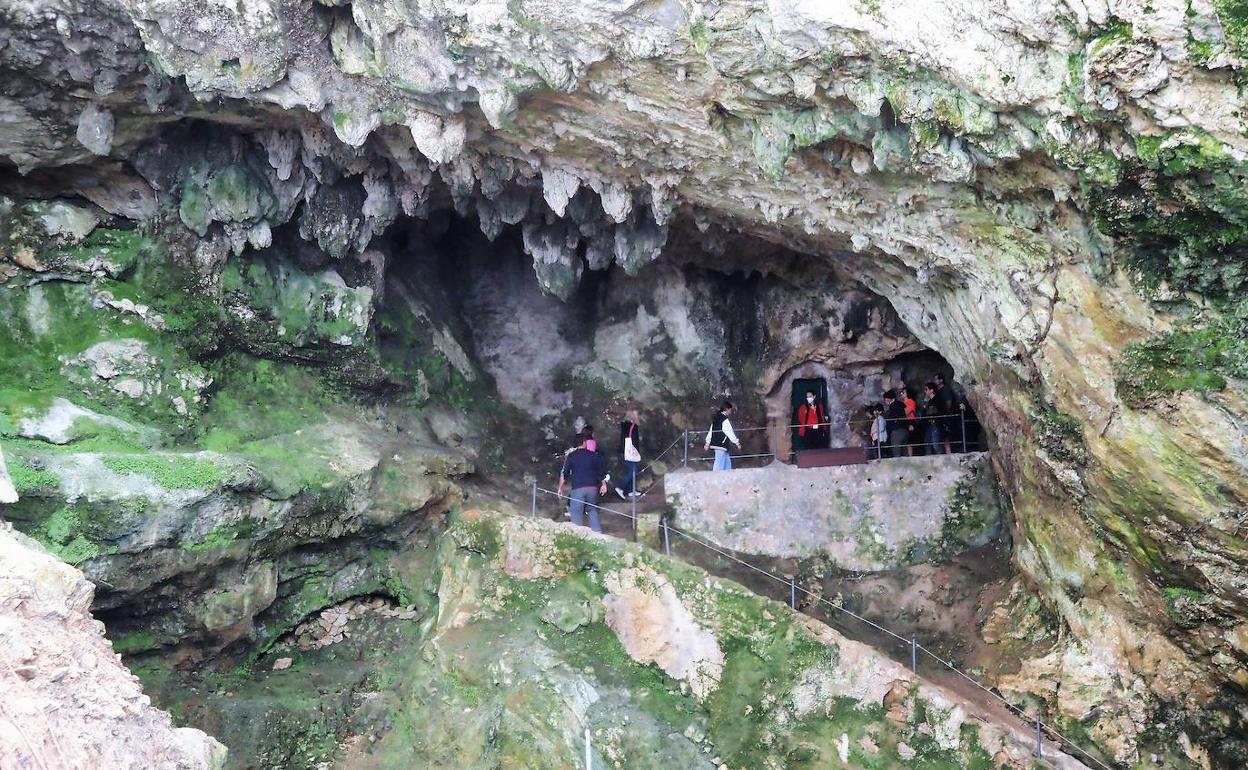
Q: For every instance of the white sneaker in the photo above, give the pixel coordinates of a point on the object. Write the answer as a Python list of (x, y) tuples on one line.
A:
[(620, 492), (634, 493)]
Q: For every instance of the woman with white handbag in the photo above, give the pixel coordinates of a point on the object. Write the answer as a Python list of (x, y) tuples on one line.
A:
[(630, 454)]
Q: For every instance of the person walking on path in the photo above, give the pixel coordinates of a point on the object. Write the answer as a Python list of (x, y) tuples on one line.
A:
[(895, 418), (630, 454), (947, 403), (720, 436), (812, 420), (586, 473)]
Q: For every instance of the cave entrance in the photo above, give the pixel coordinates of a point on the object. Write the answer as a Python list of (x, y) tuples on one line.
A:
[(808, 438)]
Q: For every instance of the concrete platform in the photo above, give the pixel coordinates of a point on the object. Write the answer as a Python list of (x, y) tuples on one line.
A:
[(864, 517)]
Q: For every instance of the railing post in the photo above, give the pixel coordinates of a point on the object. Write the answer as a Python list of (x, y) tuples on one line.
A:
[(685, 462), (633, 499), (667, 543), (962, 413), (588, 750), (793, 591), (1039, 752), (533, 509), (914, 653)]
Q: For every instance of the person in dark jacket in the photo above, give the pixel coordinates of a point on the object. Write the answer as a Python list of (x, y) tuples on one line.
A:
[(931, 420), (630, 454), (585, 472), (947, 403), (898, 425)]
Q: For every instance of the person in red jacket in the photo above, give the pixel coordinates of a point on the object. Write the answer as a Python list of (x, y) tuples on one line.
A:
[(912, 414), (812, 423)]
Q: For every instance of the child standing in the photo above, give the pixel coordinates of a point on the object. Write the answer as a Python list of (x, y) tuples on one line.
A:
[(879, 431)]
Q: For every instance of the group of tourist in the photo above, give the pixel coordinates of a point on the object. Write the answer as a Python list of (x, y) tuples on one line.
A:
[(585, 474), (902, 426)]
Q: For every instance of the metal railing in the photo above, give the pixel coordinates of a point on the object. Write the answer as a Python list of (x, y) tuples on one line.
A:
[(919, 424), (667, 530)]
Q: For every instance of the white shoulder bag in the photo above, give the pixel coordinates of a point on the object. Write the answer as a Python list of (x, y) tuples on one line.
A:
[(630, 450)]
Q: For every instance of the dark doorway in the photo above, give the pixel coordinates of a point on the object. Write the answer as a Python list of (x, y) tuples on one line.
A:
[(817, 439)]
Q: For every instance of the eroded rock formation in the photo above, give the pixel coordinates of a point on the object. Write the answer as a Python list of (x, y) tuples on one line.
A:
[(68, 700), (1050, 196)]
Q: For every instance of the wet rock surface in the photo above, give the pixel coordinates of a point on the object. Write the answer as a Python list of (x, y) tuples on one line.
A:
[(656, 665)]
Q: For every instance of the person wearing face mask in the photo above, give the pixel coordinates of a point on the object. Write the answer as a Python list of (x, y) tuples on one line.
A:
[(812, 423)]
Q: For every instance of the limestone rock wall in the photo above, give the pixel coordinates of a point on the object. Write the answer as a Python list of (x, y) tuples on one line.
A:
[(864, 518), (68, 700), (714, 676)]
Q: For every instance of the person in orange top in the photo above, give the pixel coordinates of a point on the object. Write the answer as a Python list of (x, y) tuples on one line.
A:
[(812, 423), (912, 414)]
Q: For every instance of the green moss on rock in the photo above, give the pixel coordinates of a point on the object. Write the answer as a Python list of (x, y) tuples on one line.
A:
[(171, 471), (28, 478), (1196, 357), (1233, 15)]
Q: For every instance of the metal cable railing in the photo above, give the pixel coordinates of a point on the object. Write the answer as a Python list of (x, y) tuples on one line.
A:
[(667, 529), (873, 452)]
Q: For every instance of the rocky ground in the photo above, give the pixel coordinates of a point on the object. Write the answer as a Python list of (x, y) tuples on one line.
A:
[(67, 699), (525, 625)]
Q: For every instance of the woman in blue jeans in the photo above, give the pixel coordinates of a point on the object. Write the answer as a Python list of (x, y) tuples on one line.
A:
[(720, 436), (630, 454)]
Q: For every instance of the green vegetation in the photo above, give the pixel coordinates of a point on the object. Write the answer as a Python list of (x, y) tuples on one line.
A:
[(481, 536), (139, 641), (257, 398), (402, 593), (515, 9), (223, 536), (170, 471), (1184, 218), (27, 479), (1197, 357), (49, 323), (62, 534), (699, 36), (302, 309), (1061, 435), (1233, 15), (1187, 607), (1186, 236), (120, 249)]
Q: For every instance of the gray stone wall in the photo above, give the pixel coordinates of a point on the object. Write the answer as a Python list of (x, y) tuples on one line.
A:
[(878, 516)]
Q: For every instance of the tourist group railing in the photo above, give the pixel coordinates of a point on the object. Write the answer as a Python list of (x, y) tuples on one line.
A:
[(967, 435), (667, 530)]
